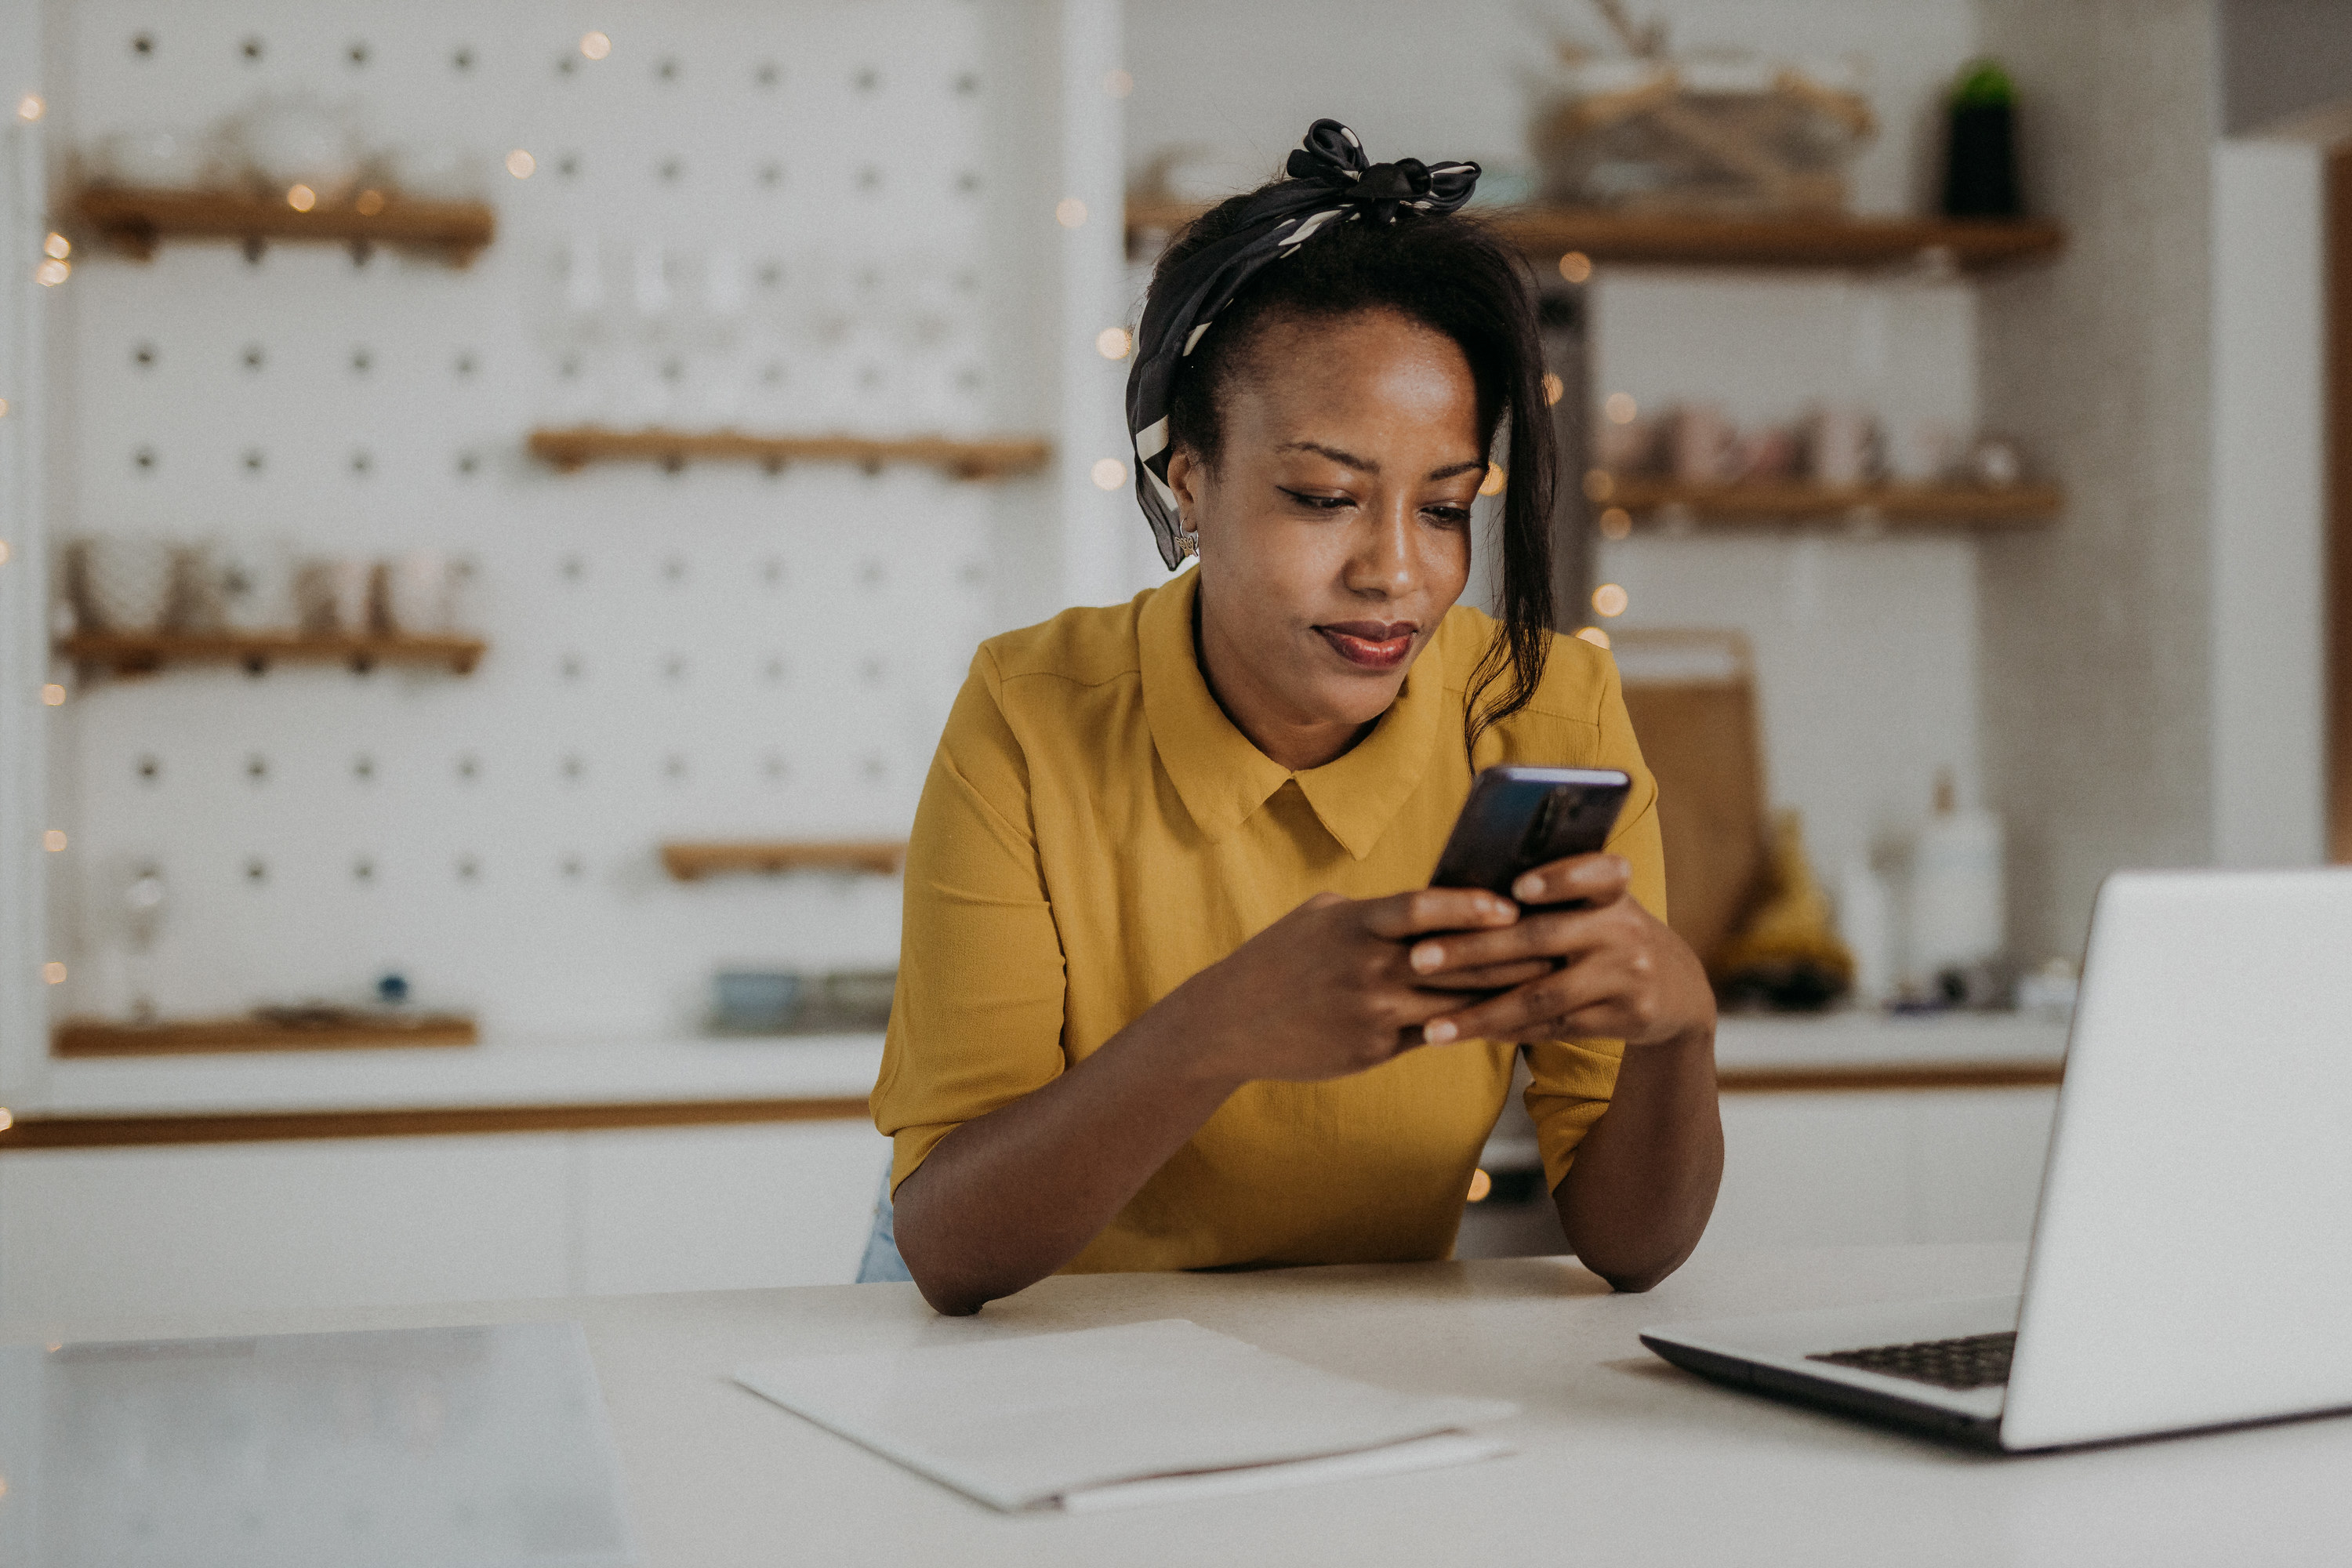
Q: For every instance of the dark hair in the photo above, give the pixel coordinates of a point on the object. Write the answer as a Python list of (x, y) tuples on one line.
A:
[(1446, 273)]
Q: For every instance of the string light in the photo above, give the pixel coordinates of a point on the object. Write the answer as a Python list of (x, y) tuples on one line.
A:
[(54, 972), (1593, 634), (1554, 388), (56, 246), (52, 272), (1492, 485), (4, 553), (1118, 83), (1113, 342), (369, 204), (1609, 601), (1109, 473), (1576, 267), (1621, 408), (7, 1120), (1481, 1184), (1069, 212), (30, 108), (54, 839), (595, 45), (520, 163), (53, 695), (1616, 524), (302, 198)]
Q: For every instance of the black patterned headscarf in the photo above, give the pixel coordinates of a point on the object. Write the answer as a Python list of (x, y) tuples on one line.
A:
[(1330, 182)]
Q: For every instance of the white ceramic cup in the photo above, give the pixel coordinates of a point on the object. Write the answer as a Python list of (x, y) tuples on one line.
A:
[(1842, 435), (120, 583), (418, 597)]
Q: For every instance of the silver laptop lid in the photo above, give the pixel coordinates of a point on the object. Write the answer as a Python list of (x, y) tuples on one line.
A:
[(2193, 1261)]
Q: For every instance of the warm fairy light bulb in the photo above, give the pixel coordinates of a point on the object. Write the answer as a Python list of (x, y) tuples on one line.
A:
[(595, 45), (1113, 342), (53, 695), (56, 245), (1595, 636), (1621, 408), (54, 839), (54, 972), (1576, 267), (1554, 388), (1609, 600), (1616, 524), (1069, 212), (520, 163), (1109, 473), (368, 203), (1492, 485), (52, 272), (1118, 83), (7, 1120), (4, 408), (1481, 1184), (4, 553), (302, 198), (30, 108)]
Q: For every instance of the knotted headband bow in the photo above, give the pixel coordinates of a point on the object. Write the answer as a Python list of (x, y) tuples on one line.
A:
[(1330, 182)]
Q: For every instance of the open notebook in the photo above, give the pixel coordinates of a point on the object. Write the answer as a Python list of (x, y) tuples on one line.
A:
[(1105, 1417)]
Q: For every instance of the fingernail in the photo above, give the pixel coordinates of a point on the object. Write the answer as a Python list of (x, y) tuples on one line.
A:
[(1437, 1034), (1528, 887), (1427, 957)]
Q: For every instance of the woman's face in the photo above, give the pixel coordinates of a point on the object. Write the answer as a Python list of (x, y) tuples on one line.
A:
[(1335, 524)]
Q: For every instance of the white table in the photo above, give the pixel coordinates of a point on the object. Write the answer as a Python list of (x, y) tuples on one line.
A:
[(1622, 1459)]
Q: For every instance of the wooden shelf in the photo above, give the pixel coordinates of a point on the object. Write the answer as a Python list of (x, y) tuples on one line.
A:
[(1827, 241), (574, 449), (137, 220), (143, 653), (324, 1029), (1771, 502), (690, 862)]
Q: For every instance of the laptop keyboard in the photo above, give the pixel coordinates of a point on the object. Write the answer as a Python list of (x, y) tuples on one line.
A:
[(1978, 1361)]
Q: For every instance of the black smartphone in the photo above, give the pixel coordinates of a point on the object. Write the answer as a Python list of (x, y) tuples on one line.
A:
[(1519, 818)]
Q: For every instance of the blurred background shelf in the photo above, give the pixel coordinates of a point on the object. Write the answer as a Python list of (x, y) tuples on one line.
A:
[(143, 653), (1767, 502), (691, 861), (575, 447), (137, 221), (1827, 240), (296, 1030)]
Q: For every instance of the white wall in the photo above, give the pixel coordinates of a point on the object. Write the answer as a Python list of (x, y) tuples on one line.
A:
[(2269, 543)]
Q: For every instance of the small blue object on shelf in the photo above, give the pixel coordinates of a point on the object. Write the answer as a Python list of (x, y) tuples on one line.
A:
[(392, 990), (754, 1001)]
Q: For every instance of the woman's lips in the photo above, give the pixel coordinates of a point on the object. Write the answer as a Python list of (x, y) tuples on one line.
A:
[(1372, 645)]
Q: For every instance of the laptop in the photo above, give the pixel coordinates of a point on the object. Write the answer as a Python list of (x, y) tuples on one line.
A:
[(2191, 1264)]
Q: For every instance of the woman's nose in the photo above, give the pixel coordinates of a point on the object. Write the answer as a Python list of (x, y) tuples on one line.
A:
[(1384, 562)]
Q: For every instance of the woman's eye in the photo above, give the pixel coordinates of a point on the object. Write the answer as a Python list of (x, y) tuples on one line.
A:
[(1320, 503), (1451, 516)]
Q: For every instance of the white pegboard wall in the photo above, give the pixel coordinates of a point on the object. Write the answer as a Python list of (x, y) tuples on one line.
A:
[(774, 216)]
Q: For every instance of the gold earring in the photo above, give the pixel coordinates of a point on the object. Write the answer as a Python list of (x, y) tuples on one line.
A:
[(1188, 540)]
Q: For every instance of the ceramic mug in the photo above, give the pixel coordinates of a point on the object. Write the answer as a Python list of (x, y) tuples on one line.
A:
[(331, 596), (119, 583)]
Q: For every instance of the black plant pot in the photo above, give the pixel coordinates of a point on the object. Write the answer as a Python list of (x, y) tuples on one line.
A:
[(1980, 162)]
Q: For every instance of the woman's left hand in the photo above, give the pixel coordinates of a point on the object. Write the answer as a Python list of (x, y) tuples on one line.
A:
[(1617, 972)]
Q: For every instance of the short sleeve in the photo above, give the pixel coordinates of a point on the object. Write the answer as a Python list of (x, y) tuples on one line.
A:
[(976, 1022), (1572, 1080)]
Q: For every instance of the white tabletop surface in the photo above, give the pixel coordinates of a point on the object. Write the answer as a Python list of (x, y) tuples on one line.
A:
[(829, 1066), (1622, 1459)]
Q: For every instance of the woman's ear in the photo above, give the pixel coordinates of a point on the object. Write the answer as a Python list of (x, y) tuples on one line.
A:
[(1184, 477)]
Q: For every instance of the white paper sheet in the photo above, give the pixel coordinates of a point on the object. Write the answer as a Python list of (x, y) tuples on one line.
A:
[(1104, 1417)]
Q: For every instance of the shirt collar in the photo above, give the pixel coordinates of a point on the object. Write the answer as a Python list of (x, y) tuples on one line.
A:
[(1223, 779)]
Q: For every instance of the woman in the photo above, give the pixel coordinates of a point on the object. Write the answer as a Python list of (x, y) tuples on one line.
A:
[(1174, 993)]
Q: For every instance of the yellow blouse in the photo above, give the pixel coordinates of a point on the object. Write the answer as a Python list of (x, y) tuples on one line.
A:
[(1095, 831)]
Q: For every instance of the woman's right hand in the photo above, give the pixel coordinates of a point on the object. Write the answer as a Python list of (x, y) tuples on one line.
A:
[(1326, 991)]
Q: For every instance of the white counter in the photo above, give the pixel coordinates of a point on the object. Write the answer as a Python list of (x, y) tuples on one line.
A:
[(1621, 1458)]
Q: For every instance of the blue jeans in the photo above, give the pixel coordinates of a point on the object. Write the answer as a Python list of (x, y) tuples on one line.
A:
[(882, 1264)]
